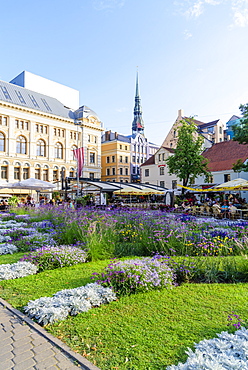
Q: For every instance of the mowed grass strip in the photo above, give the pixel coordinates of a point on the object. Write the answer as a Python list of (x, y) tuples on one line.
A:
[(146, 331)]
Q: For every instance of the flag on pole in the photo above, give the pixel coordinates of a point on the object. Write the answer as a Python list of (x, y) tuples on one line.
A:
[(79, 155)]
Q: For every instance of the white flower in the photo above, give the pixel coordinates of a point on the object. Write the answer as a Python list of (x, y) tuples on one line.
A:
[(17, 270)]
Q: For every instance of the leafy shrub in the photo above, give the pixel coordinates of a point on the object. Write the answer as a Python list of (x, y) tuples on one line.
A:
[(68, 302), (17, 270), (50, 258), (7, 248), (228, 351), (137, 275)]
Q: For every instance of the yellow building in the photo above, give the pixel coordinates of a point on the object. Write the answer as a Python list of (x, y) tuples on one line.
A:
[(115, 157), (38, 134)]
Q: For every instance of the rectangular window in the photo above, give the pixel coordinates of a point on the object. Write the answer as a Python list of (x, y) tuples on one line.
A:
[(163, 156), (16, 123), (121, 158), (137, 159), (120, 146), (25, 173), (159, 157), (41, 129), (45, 175), (147, 172), (95, 139), (125, 147), (4, 172), (5, 121), (5, 93), (55, 175), (75, 136), (126, 171), (113, 158), (20, 97), (220, 130), (126, 159), (17, 173), (21, 125), (37, 173), (113, 171), (55, 131), (33, 101), (134, 170), (37, 128), (46, 105), (174, 184), (58, 131), (134, 158), (63, 133), (26, 125), (108, 172), (227, 177), (71, 135), (107, 160), (121, 171), (161, 170), (92, 157), (92, 176), (89, 138), (162, 184)]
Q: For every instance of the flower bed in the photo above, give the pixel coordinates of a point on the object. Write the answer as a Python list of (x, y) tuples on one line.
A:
[(137, 275), (49, 258), (227, 352), (47, 310), (17, 270)]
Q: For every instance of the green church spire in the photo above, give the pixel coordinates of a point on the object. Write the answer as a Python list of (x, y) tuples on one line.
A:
[(138, 124)]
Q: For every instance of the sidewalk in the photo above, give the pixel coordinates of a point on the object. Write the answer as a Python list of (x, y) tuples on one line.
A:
[(25, 345)]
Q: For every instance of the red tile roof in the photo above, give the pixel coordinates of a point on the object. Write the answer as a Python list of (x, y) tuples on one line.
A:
[(149, 161), (223, 155)]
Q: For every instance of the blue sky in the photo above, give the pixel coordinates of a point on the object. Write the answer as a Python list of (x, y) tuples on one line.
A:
[(191, 55)]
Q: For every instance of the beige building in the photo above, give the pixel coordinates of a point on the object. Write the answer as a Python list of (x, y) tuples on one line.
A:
[(38, 135), (212, 132)]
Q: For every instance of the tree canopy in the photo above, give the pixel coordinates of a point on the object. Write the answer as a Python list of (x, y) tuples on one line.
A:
[(241, 129), (187, 162)]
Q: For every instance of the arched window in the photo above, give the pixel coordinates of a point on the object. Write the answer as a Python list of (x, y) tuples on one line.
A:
[(55, 173), (4, 170), (37, 172), (58, 151), (17, 171), (21, 145), (25, 171), (41, 148), (2, 142), (45, 173)]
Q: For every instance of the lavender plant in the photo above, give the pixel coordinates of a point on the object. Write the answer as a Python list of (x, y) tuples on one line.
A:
[(137, 275), (49, 258)]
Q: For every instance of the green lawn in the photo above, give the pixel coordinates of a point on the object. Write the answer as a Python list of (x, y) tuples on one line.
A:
[(143, 332)]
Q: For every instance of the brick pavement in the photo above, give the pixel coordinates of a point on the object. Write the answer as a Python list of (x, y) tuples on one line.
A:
[(25, 345)]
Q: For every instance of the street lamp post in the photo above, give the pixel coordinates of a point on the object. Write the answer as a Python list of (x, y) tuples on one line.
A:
[(77, 124)]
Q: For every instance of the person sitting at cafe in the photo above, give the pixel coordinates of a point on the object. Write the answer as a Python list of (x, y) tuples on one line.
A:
[(225, 209)]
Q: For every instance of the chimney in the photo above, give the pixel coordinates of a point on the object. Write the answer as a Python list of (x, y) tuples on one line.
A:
[(180, 114)]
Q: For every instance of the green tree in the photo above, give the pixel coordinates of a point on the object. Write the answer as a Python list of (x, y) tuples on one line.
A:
[(187, 162), (238, 166), (241, 129)]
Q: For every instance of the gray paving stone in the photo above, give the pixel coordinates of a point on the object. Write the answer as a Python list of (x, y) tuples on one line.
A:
[(46, 363), (22, 341), (6, 356), (9, 364), (23, 348), (6, 341), (38, 341), (25, 365), (44, 354), (4, 335), (5, 349), (20, 357), (42, 347), (20, 334)]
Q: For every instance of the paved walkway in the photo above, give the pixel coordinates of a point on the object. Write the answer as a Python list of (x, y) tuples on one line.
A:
[(25, 345)]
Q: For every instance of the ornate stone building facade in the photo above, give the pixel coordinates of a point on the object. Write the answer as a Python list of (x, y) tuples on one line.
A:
[(38, 134)]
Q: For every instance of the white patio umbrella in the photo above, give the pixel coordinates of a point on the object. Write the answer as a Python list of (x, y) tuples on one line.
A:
[(31, 184), (236, 184)]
